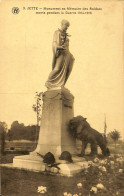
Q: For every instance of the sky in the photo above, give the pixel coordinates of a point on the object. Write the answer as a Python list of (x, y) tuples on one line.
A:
[(96, 42)]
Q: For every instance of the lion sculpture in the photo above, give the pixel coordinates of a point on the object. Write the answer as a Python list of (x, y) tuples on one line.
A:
[(82, 130)]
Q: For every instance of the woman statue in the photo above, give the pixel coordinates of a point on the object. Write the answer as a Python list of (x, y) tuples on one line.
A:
[(62, 59)]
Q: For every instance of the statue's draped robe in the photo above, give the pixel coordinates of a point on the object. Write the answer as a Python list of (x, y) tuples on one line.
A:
[(62, 61)]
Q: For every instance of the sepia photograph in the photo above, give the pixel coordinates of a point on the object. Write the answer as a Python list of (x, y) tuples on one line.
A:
[(61, 98)]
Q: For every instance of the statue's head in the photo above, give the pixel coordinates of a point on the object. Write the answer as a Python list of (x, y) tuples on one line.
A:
[(65, 24)]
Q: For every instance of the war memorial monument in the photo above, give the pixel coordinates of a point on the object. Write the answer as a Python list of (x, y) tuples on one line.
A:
[(58, 109)]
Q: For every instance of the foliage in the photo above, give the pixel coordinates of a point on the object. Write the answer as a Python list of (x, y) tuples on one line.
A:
[(37, 107), (85, 183), (19, 131), (115, 135), (3, 129)]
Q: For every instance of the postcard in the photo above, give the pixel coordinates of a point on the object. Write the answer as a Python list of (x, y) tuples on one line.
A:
[(52, 49)]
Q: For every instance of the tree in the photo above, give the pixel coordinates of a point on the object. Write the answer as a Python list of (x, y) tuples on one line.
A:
[(115, 135), (19, 131), (3, 130), (16, 131), (16, 125)]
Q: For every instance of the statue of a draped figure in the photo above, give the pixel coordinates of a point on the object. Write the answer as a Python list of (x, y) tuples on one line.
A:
[(62, 59)]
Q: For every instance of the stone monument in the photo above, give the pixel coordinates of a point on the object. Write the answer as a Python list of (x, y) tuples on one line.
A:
[(57, 110), (57, 101)]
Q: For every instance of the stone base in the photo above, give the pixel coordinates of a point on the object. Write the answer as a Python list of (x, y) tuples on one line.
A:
[(69, 169), (29, 162), (35, 163)]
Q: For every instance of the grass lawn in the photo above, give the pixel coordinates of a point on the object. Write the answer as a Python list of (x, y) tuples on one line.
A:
[(106, 171)]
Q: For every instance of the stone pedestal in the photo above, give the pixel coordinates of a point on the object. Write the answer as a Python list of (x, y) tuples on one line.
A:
[(57, 110), (29, 162), (54, 135), (35, 163)]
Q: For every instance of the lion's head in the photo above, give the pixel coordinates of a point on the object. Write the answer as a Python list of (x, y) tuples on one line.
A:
[(77, 124)]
